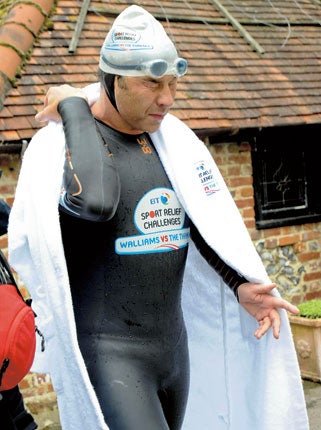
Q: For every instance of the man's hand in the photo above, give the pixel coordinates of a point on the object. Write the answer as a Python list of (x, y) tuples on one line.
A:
[(258, 301), (53, 97)]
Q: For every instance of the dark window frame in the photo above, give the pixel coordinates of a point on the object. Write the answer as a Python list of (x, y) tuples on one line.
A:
[(286, 180)]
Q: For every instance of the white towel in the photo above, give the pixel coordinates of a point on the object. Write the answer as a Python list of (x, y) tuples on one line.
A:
[(237, 382)]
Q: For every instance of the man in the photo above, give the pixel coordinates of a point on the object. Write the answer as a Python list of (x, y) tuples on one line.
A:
[(108, 273)]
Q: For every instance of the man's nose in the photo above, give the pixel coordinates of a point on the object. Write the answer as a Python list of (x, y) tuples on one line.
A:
[(166, 96)]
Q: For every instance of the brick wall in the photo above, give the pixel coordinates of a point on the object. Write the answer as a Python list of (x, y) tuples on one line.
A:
[(290, 254)]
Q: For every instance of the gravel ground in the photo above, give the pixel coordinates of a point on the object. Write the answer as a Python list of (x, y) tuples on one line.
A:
[(44, 411), (312, 391)]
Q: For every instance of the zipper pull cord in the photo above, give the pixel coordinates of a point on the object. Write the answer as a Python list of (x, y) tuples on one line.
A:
[(42, 339)]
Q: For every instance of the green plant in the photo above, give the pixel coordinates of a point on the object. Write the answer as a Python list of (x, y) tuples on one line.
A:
[(310, 309)]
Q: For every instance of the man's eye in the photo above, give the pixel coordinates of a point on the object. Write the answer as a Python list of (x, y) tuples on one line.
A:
[(151, 83)]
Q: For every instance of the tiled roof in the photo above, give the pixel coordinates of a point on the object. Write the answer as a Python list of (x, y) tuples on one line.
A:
[(251, 63)]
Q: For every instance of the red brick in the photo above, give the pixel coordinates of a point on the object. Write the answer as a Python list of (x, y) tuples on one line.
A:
[(311, 235), (307, 256), (312, 276), (271, 232), (238, 182), (311, 296), (271, 243), (299, 247), (244, 203), (248, 213), (247, 191), (288, 240), (3, 243)]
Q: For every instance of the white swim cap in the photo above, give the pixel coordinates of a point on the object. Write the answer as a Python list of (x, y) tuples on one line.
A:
[(137, 45)]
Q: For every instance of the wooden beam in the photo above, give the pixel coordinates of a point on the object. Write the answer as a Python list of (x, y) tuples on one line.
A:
[(80, 23), (235, 23)]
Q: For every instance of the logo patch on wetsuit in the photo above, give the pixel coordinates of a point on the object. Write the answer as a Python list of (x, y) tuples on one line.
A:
[(159, 217), (144, 146), (206, 178)]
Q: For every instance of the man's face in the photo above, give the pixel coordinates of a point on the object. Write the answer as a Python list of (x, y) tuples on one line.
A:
[(143, 101)]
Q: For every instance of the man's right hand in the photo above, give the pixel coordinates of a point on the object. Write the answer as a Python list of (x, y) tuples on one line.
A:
[(53, 97)]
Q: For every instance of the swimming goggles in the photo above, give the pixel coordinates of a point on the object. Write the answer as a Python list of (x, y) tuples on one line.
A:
[(154, 68), (159, 68)]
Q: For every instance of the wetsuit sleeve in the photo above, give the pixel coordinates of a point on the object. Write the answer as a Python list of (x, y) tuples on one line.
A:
[(229, 275), (91, 182)]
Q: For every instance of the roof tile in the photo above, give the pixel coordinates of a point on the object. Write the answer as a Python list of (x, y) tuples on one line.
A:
[(17, 36), (10, 61), (28, 16), (8, 135)]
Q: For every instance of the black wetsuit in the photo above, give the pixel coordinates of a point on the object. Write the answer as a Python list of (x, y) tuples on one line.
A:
[(126, 262)]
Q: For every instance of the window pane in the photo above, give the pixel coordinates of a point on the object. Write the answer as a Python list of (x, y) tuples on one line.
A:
[(286, 176)]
